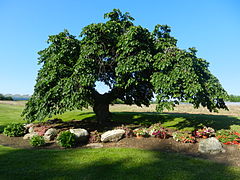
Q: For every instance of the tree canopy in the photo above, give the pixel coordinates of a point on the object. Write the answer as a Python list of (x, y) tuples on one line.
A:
[(133, 62)]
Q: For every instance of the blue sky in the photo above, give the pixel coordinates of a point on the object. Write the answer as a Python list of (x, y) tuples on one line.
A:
[(212, 26)]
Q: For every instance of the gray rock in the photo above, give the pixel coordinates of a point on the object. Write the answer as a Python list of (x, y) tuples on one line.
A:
[(211, 146), (50, 134), (94, 145), (29, 125), (31, 129), (81, 134), (29, 135), (113, 135)]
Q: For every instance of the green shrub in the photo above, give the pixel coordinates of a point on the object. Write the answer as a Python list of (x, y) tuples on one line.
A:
[(37, 141), (15, 129), (67, 139)]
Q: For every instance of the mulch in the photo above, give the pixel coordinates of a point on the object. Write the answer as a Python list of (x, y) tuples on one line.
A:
[(230, 157)]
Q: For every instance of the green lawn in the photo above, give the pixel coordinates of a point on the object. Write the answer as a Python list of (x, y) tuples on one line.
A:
[(9, 114), (113, 163), (184, 121)]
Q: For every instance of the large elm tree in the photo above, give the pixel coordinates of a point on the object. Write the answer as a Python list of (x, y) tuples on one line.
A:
[(135, 63)]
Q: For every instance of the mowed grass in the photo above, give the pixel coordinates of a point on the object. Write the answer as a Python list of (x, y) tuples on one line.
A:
[(114, 163), (10, 114), (185, 117), (111, 163)]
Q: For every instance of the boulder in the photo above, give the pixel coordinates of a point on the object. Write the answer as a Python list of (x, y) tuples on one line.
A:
[(31, 129), (50, 134), (211, 146), (113, 135), (29, 125), (29, 135), (81, 134)]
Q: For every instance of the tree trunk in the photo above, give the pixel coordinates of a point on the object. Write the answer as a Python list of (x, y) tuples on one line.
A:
[(102, 112), (101, 104)]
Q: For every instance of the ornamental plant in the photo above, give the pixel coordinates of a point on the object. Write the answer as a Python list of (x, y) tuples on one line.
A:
[(128, 131), (141, 132), (183, 137), (37, 141), (205, 131), (67, 139), (134, 62), (228, 137), (162, 134), (95, 137), (14, 129), (156, 130), (235, 128), (41, 130)]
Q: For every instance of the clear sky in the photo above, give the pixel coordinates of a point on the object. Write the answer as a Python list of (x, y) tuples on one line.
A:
[(212, 26)]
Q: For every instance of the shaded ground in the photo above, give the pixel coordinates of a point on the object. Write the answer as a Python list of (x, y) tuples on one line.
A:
[(230, 157)]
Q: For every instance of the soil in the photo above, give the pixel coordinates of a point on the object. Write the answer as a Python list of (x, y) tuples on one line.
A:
[(230, 157)]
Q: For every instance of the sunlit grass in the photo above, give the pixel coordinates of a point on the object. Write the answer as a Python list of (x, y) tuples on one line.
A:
[(74, 115), (9, 114)]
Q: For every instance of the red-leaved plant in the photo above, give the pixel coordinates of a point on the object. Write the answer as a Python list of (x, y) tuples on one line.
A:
[(41, 130)]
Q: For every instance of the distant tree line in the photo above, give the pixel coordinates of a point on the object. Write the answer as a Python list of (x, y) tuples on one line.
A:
[(234, 98), (8, 98)]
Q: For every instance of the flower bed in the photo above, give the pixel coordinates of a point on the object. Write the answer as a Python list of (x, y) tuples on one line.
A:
[(228, 137)]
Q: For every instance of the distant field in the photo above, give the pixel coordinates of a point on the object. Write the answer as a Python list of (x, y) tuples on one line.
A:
[(16, 103), (234, 110)]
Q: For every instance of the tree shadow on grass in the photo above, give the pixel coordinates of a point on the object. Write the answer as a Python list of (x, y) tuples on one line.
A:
[(198, 120), (107, 164), (172, 120), (176, 120)]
